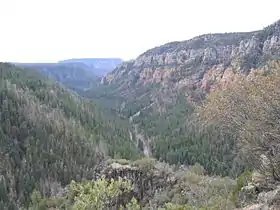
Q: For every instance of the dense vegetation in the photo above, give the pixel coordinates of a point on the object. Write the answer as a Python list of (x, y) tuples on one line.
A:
[(193, 190), (50, 136), (179, 137), (77, 74), (250, 110), (98, 66), (170, 121), (153, 93), (59, 150)]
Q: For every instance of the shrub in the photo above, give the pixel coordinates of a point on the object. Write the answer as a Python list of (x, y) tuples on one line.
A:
[(197, 169), (242, 180), (97, 194), (145, 163), (120, 161), (43, 203)]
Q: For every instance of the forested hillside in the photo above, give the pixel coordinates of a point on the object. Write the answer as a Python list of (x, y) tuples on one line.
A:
[(38, 166), (198, 109), (49, 136), (76, 76), (234, 130), (98, 66), (159, 91)]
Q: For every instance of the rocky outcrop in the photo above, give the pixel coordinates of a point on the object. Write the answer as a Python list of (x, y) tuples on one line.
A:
[(271, 197), (189, 70), (205, 62), (266, 201), (147, 176), (262, 193)]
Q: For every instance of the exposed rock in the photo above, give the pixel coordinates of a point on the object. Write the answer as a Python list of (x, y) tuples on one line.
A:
[(266, 200), (148, 177), (256, 207), (190, 69), (271, 197), (205, 62), (259, 180), (248, 194)]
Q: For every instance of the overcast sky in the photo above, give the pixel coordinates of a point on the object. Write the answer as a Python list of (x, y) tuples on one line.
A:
[(51, 30)]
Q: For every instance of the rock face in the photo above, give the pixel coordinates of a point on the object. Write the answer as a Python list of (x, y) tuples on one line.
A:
[(147, 177), (261, 193), (202, 62), (182, 73), (266, 201), (270, 198), (156, 183), (187, 71)]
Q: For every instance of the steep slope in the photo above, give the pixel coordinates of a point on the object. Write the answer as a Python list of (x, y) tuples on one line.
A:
[(199, 62), (174, 62), (145, 184), (49, 135), (163, 86)]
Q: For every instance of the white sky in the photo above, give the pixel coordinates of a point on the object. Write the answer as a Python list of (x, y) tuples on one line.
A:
[(51, 30)]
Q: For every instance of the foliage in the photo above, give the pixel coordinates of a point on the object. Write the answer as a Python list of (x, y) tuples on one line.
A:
[(242, 180), (43, 203), (49, 135), (168, 120), (170, 206), (250, 110), (73, 75), (208, 147), (98, 194), (132, 205), (120, 161), (193, 190), (145, 163)]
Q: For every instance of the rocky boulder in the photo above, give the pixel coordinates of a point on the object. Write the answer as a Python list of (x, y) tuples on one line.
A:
[(270, 197), (147, 176)]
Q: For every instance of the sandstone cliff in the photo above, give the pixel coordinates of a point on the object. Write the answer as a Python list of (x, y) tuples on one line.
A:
[(202, 62)]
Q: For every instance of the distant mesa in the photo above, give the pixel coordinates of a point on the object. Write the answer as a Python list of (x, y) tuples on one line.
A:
[(77, 73), (98, 66)]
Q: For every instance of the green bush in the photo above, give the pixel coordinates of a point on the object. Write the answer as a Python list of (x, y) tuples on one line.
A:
[(145, 163), (197, 168), (242, 180), (97, 194), (42, 203), (120, 161)]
